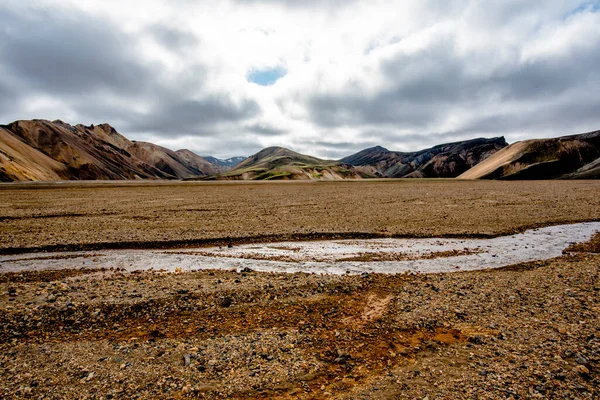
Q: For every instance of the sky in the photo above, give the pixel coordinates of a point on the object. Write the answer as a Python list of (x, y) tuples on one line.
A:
[(322, 77)]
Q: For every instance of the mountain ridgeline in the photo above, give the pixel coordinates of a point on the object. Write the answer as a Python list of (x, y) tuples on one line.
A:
[(566, 157), (442, 161), (40, 150), (278, 163)]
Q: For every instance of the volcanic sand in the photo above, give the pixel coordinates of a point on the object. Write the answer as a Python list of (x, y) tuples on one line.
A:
[(525, 331), (174, 214)]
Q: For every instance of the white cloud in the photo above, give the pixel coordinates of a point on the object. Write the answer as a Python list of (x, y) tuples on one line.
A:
[(403, 74)]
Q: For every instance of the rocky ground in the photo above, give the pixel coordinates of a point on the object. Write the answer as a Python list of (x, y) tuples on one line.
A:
[(527, 331), (172, 214)]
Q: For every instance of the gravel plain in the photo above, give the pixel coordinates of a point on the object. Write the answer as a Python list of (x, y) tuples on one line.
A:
[(525, 331), (101, 215)]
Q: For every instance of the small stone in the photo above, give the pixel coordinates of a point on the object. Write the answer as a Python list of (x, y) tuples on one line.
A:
[(582, 369), (51, 298), (579, 359), (476, 340), (225, 302), (187, 360)]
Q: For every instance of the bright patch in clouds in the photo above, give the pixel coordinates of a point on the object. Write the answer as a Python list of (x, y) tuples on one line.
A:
[(321, 77), (266, 77)]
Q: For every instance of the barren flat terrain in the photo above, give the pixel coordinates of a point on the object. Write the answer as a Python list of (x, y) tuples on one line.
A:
[(524, 331), (171, 214)]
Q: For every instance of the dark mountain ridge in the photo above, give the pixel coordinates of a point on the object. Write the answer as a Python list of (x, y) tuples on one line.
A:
[(565, 157), (442, 161)]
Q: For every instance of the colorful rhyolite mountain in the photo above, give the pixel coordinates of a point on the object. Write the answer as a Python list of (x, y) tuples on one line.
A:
[(278, 163), (43, 150), (566, 157), (442, 161)]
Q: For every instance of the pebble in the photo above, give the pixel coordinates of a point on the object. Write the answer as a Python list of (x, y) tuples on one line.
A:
[(582, 369), (579, 359)]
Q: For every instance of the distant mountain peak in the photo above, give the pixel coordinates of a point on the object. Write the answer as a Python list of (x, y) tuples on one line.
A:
[(444, 160), (227, 163), (280, 163), (274, 149), (378, 148)]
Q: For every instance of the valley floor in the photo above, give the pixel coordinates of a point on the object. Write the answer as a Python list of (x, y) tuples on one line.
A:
[(525, 331), (93, 215), (529, 331)]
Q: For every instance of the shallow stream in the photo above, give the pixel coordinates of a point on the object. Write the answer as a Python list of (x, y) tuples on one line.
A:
[(331, 256)]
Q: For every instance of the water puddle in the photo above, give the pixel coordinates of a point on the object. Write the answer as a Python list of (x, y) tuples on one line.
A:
[(331, 257)]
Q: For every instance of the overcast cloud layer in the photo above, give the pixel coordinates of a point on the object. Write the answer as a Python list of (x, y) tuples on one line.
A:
[(405, 75)]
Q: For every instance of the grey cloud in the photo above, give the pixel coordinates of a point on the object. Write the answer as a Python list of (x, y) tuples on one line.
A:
[(427, 87), (560, 118), (336, 150), (419, 85), (544, 78), (194, 117), (238, 145), (265, 130), (8, 96), (51, 52), (172, 38), (345, 145), (86, 61), (299, 3)]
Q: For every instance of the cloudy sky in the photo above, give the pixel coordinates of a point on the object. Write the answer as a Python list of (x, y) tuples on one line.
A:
[(323, 77)]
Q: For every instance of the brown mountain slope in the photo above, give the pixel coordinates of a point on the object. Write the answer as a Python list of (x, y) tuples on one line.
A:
[(443, 161), (284, 164), (567, 157), (16, 165), (44, 150)]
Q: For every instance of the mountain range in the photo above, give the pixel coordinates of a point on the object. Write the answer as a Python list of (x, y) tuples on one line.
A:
[(442, 161), (278, 163), (40, 150), (566, 157), (43, 150)]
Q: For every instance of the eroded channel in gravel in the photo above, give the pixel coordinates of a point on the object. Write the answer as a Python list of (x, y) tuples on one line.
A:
[(333, 256)]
